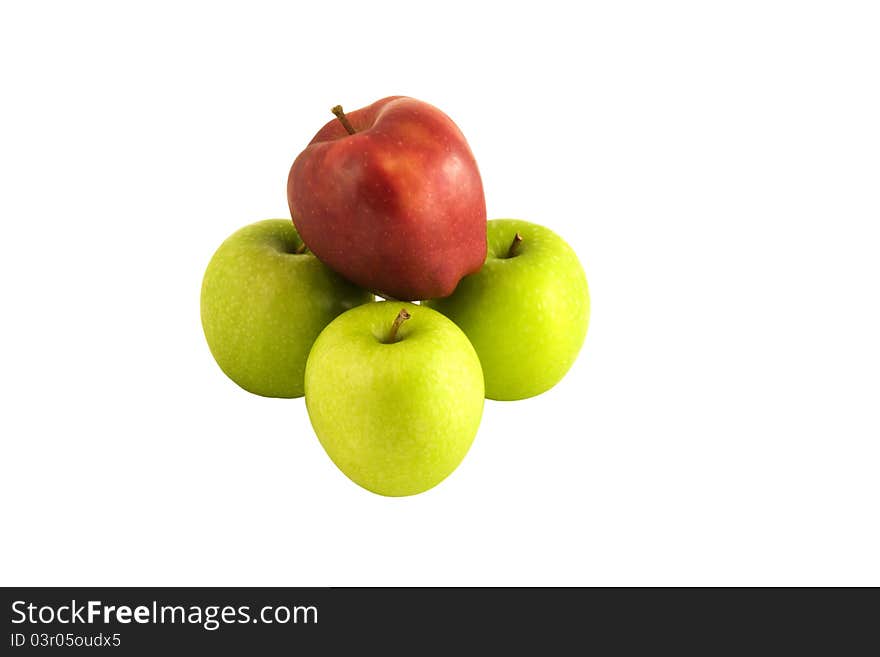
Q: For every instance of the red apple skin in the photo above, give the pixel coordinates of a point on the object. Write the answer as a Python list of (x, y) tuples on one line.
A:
[(397, 207)]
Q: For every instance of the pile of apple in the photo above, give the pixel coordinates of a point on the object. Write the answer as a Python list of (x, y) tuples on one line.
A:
[(387, 201)]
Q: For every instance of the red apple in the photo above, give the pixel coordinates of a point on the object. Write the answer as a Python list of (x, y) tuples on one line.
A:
[(391, 198)]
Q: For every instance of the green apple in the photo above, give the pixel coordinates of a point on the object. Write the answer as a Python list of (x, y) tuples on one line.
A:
[(395, 394), (526, 311), (264, 301)]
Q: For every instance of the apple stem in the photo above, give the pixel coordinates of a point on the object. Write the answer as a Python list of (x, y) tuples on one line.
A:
[(302, 248), (511, 252), (343, 119), (402, 316)]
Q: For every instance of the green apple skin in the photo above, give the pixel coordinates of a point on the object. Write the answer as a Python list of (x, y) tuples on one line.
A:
[(396, 418), (526, 315), (263, 305)]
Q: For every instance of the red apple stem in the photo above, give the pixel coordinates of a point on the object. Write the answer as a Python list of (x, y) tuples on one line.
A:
[(343, 119), (402, 316), (511, 252)]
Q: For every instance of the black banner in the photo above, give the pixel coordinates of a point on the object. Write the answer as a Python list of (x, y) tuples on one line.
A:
[(414, 621)]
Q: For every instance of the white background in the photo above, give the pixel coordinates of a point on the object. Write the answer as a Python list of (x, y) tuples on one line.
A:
[(715, 166)]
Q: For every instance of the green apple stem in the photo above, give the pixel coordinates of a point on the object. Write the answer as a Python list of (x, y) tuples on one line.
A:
[(402, 316), (302, 248), (343, 119), (511, 252)]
